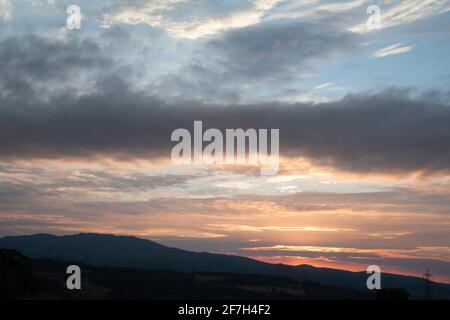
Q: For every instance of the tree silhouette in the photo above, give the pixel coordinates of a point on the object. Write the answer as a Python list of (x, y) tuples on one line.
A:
[(17, 280)]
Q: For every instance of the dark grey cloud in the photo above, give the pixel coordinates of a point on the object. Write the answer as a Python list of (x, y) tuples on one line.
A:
[(29, 64), (277, 51), (392, 130), (235, 64), (387, 131)]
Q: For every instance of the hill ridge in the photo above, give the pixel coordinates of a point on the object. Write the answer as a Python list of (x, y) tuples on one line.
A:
[(107, 250)]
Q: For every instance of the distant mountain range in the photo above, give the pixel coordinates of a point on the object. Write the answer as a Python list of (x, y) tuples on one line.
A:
[(109, 251)]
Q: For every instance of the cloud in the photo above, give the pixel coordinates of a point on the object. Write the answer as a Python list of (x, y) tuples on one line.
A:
[(277, 51), (402, 200), (412, 261), (191, 20), (343, 14), (439, 252), (390, 131), (33, 66), (384, 132), (323, 85), (313, 8), (406, 12), (392, 50), (240, 64), (83, 193)]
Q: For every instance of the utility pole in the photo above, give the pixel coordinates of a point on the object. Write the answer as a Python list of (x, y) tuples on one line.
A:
[(428, 277)]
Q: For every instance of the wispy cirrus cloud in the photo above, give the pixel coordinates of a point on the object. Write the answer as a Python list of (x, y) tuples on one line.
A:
[(392, 50), (396, 13), (442, 253), (313, 9)]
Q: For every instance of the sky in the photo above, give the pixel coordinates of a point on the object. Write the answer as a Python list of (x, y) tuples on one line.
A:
[(362, 106)]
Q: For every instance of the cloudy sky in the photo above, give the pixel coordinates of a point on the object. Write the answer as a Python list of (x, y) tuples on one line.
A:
[(363, 112)]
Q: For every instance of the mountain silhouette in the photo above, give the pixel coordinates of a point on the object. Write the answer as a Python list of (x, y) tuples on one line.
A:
[(112, 251), (43, 278)]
